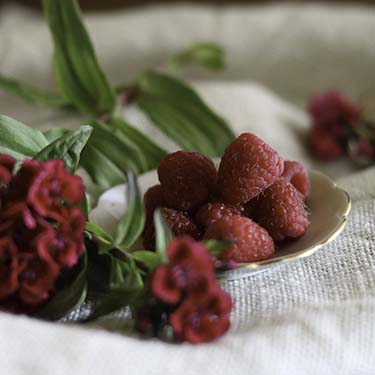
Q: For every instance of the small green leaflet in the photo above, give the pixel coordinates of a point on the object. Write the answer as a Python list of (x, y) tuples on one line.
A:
[(19, 140), (78, 73), (67, 148), (206, 54), (69, 296), (181, 114), (131, 225), (125, 285), (215, 247), (150, 259), (99, 233), (163, 235), (31, 94)]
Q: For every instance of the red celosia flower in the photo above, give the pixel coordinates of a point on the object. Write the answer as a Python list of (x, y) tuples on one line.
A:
[(37, 278), (53, 186), (333, 117), (186, 295), (40, 233), (333, 111), (190, 268), (202, 320), (9, 267), (65, 244), (6, 167), (324, 145)]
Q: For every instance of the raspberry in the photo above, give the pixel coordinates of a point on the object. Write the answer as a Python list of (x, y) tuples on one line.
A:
[(247, 168), (281, 211), (179, 222), (152, 200), (187, 178), (297, 175), (211, 212), (252, 242)]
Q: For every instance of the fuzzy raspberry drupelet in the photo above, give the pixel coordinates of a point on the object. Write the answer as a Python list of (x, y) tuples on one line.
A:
[(281, 211), (251, 242), (297, 175), (247, 167), (153, 199), (179, 223), (211, 212), (187, 179)]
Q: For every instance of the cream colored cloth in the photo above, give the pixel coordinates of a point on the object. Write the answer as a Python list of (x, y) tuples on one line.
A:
[(314, 316)]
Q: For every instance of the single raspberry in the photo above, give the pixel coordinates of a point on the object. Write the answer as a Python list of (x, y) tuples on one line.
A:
[(281, 211), (153, 199), (187, 178), (297, 175), (211, 212), (324, 145), (179, 222), (251, 242), (247, 168)]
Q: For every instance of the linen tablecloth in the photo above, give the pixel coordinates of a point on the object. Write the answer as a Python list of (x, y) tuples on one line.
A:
[(313, 316)]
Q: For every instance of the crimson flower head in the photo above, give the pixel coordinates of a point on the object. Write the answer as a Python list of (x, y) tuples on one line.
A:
[(190, 269), (41, 230), (185, 294), (202, 320), (333, 118)]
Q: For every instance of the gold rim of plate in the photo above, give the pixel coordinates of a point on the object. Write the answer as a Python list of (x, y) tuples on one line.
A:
[(311, 249)]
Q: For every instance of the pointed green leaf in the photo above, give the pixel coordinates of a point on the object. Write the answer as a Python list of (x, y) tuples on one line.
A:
[(31, 94), (102, 170), (182, 114), (19, 140), (99, 233), (67, 148), (131, 225), (148, 258), (114, 149), (79, 75), (206, 54), (163, 235), (215, 247), (151, 151)]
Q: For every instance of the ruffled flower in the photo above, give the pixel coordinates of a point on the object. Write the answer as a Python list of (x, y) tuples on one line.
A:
[(202, 320), (185, 295), (41, 233), (333, 119)]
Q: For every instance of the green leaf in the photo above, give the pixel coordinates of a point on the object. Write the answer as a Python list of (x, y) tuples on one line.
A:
[(177, 110), (148, 258), (98, 233), (215, 247), (31, 94), (131, 224), (107, 157), (206, 54), (78, 73), (125, 286), (163, 235), (19, 140), (102, 170), (68, 297), (54, 133), (67, 148), (153, 153)]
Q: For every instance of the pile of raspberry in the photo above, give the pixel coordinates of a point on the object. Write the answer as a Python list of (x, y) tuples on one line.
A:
[(255, 199)]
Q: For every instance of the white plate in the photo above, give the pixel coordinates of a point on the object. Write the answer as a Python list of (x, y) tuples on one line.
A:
[(328, 206)]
